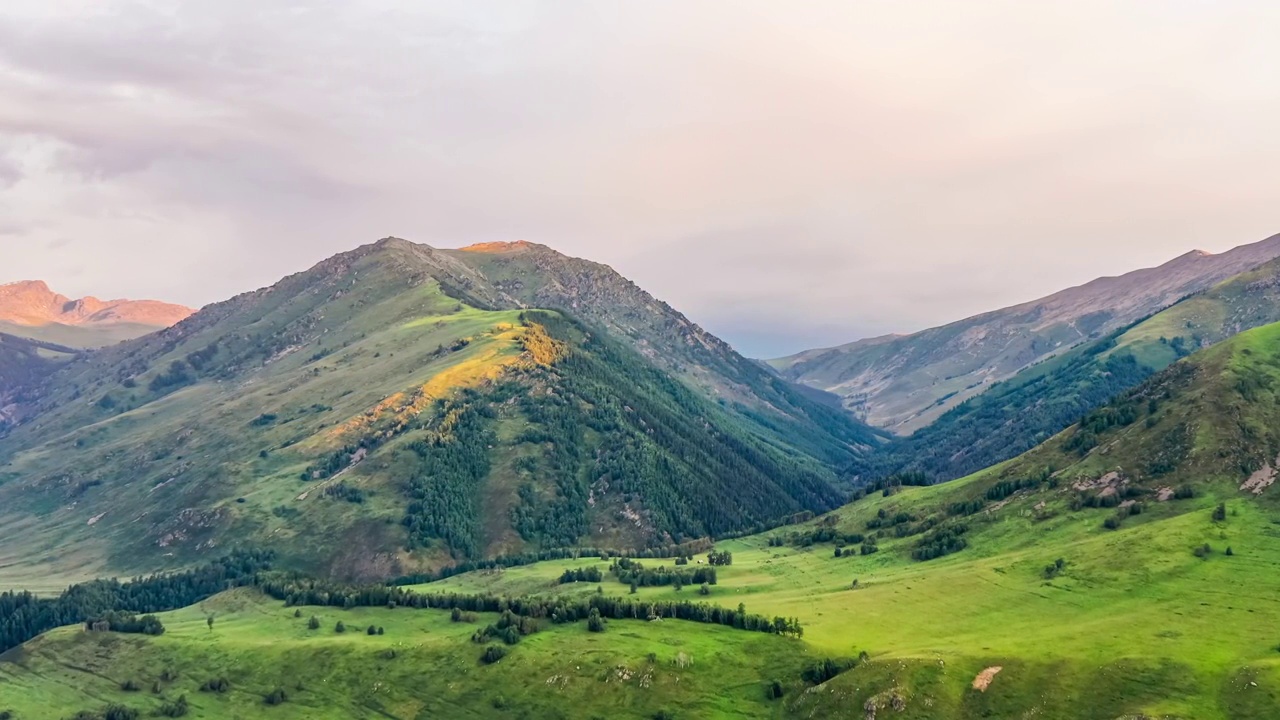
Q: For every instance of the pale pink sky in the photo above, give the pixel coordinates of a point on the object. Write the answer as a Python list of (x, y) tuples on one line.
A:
[(788, 174)]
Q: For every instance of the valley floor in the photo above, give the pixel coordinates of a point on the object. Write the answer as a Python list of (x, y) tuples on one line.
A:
[(1135, 625)]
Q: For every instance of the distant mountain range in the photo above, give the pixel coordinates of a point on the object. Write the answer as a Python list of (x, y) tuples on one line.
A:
[(1019, 413), (903, 383), (30, 309)]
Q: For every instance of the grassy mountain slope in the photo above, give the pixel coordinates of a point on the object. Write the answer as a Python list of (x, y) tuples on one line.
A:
[(1020, 413), (391, 409), (903, 383), (1123, 569)]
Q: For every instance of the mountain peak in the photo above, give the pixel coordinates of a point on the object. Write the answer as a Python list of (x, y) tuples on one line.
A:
[(26, 286), (503, 247)]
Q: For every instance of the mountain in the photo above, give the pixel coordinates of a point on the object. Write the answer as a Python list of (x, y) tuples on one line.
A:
[(30, 309), (399, 408), (1125, 568), (1019, 413), (903, 383), (40, 329)]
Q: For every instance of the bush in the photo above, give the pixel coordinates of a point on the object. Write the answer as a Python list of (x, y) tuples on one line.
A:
[(275, 697), (119, 712), (177, 708), (216, 685), (493, 654), (130, 685), (341, 627), (823, 670), (313, 623), (773, 690), (1203, 551)]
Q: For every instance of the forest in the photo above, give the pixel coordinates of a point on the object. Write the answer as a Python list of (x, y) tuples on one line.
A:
[(24, 616)]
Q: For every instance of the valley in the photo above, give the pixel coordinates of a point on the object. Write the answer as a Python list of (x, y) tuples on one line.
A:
[(749, 552)]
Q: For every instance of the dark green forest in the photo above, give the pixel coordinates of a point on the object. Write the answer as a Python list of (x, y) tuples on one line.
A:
[(602, 420), (1016, 415)]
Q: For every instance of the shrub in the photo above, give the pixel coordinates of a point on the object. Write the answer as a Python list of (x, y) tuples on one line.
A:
[(493, 654), (119, 712), (823, 670), (1203, 551), (773, 690), (275, 697), (313, 623), (216, 685), (177, 708), (130, 685), (459, 615), (341, 627)]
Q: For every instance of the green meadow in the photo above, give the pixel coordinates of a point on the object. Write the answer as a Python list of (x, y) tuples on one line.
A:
[(1134, 625)]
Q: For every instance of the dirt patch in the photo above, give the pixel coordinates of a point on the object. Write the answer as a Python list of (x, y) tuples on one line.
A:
[(984, 678), (1164, 494), (1261, 479)]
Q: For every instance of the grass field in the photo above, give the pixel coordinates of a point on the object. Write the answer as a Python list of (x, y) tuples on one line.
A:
[(1135, 626)]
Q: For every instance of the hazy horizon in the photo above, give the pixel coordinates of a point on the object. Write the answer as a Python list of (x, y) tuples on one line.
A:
[(788, 178)]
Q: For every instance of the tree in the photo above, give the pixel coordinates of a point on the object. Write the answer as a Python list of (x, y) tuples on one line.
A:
[(1229, 551), (371, 630), (595, 623), (704, 590), (341, 627), (1220, 512), (313, 623), (209, 621)]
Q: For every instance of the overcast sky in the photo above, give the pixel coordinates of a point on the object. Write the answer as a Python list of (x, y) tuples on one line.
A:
[(789, 174)]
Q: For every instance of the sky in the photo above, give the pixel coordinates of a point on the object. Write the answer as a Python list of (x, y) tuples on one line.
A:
[(788, 175)]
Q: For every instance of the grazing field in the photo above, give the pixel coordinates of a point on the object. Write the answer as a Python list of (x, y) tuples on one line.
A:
[(423, 666), (1134, 624)]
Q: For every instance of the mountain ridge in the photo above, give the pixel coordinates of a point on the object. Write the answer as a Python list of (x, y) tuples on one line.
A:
[(905, 383), (33, 303)]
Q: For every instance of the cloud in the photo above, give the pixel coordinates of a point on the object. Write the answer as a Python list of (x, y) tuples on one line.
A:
[(785, 176)]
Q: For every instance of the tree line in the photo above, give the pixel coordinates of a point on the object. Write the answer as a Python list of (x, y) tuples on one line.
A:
[(24, 615), (298, 590)]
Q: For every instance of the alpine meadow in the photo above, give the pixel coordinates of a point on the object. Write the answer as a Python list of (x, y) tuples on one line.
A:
[(857, 361)]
